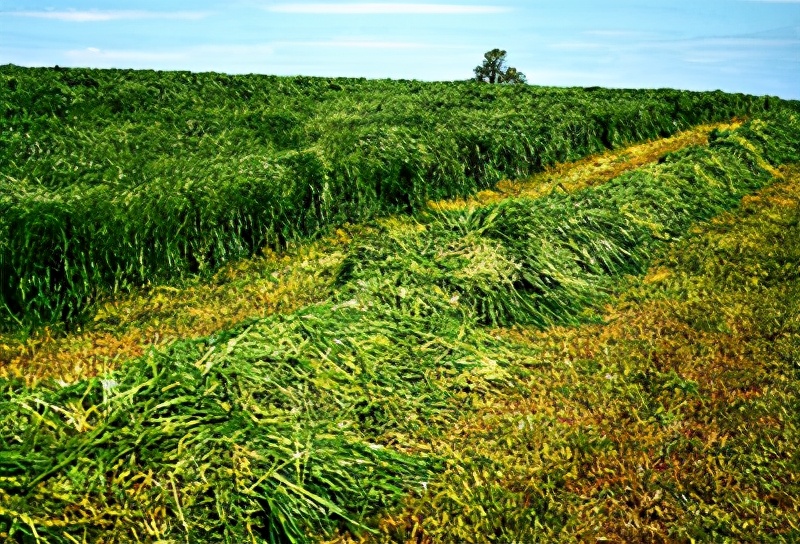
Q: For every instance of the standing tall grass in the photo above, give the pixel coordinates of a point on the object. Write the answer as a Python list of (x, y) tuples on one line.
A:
[(113, 178)]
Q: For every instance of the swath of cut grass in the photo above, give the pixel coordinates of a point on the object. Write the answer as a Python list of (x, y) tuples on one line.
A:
[(262, 432), (588, 172), (544, 261), (675, 420), (126, 327), (320, 420)]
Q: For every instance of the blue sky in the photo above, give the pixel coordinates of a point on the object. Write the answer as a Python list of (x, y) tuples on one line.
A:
[(750, 46)]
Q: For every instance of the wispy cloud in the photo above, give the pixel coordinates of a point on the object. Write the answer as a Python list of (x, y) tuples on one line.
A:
[(577, 46), (91, 16), (749, 42), (569, 77), (241, 50), (708, 49), (386, 9), (92, 54), (617, 33)]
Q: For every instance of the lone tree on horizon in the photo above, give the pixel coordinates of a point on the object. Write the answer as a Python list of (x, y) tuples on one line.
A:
[(494, 69)]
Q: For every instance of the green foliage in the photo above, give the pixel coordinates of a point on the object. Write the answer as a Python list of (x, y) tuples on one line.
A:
[(303, 424), (544, 261), (494, 69), (266, 432), (652, 426), (115, 178)]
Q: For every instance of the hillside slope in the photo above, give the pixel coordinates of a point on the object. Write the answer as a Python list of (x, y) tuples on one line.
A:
[(272, 282)]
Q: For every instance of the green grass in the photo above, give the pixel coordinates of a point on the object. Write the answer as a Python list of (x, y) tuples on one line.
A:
[(544, 261), (298, 426), (113, 179), (673, 420)]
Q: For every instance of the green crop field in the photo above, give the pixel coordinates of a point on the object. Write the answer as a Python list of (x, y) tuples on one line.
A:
[(113, 179), (565, 359)]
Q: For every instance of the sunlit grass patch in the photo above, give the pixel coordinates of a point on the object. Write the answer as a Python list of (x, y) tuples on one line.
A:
[(587, 172), (544, 261)]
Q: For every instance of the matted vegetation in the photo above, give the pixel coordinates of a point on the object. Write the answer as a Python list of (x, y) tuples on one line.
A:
[(675, 420), (123, 328), (113, 179), (543, 261), (294, 426)]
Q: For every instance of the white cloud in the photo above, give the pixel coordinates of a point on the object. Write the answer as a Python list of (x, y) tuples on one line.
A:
[(386, 9), (109, 15)]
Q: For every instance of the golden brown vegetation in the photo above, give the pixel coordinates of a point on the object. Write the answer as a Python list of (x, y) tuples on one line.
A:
[(130, 325)]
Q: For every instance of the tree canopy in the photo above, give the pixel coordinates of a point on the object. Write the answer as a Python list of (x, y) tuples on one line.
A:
[(494, 69)]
